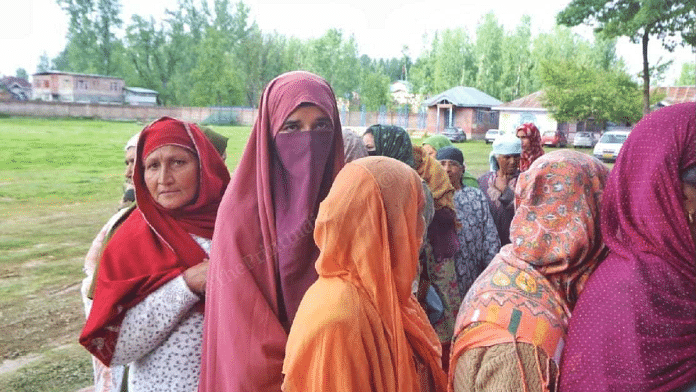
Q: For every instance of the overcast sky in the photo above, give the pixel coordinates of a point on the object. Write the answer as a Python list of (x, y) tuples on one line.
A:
[(381, 27)]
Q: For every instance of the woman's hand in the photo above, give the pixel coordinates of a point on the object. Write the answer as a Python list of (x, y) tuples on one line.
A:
[(195, 277)]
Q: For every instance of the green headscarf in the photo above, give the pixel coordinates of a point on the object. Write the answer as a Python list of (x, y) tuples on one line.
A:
[(392, 141), (437, 141)]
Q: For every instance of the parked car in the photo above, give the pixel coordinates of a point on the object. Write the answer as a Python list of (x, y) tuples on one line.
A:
[(491, 134), (584, 139), (609, 145), (554, 139), (454, 134)]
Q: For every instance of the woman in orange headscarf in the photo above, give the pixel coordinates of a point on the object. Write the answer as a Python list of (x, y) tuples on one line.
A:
[(359, 328)]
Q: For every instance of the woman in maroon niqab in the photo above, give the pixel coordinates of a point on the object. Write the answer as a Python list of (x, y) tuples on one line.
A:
[(634, 326), (263, 253)]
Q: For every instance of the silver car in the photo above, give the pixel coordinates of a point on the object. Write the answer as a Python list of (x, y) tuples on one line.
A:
[(584, 139)]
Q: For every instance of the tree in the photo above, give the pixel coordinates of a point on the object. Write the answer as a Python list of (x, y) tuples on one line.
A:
[(374, 91), (577, 92), (44, 63), (214, 80), (151, 55), (454, 62), (489, 55), (92, 44), (335, 59), (638, 20), (517, 77), (22, 73), (687, 76)]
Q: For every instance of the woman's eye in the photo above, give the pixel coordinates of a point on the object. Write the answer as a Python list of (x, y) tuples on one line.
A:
[(151, 166), (323, 126), (290, 128)]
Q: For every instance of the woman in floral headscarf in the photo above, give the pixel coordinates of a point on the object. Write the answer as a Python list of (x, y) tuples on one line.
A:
[(512, 323), (634, 327), (531, 144)]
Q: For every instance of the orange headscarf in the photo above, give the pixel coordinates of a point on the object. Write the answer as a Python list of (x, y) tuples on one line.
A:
[(358, 326), (436, 177)]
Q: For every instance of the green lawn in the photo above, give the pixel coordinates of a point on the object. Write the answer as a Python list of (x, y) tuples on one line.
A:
[(60, 180)]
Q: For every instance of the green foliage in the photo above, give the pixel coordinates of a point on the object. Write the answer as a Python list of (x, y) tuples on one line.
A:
[(44, 63), (576, 92), (489, 54), (671, 21), (687, 76), (92, 44), (374, 90), (22, 73), (214, 80)]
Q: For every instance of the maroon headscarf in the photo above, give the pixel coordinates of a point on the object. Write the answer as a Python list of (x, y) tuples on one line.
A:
[(153, 245), (634, 326), (263, 252), (535, 150)]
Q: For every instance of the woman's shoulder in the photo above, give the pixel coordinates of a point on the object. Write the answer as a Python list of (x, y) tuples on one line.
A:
[(330, 300)]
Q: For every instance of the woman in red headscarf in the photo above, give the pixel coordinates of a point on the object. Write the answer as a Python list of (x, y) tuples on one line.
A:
[(263, 253), (147, 309), (531, 144)]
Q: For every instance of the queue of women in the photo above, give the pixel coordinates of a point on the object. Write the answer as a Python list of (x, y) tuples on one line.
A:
[(331, 262)]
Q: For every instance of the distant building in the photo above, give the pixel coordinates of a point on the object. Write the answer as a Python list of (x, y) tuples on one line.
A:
[(463, 107), (14, 88), (674, 95), (401, 92), (524, 110), (75, 87), (530, 109), (139, 96)]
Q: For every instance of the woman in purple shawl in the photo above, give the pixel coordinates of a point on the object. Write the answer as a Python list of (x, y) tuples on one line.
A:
[(634, 326)]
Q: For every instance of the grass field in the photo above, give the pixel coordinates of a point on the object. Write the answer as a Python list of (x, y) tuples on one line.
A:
[(59, 182)]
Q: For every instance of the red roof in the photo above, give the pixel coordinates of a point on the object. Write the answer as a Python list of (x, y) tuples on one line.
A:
[(677, 94), (531, 101), (10, 80)]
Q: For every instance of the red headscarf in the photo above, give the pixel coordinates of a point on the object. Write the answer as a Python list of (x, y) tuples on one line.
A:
[(153, 245), (534, 151), (258, 272), (634, 326)]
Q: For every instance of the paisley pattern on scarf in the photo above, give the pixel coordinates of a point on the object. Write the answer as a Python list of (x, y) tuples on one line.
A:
[(532, 285)]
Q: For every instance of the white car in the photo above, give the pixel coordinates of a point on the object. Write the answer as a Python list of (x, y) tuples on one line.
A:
[(609, 145), (491, 134), (584, 139)]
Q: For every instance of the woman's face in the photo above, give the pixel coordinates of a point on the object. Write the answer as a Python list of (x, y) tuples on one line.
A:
[(509, 164), (524, 139), (369, 140), (307, 118), (171, 176), (130, 164), (430, 150), (454, 172)]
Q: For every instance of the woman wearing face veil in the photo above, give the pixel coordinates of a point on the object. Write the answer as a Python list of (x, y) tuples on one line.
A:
[(263, 253)]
